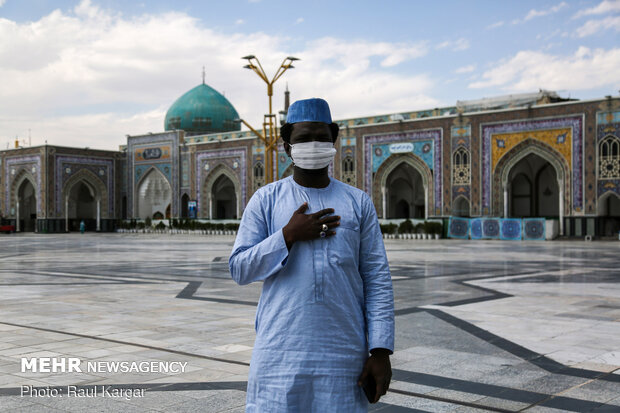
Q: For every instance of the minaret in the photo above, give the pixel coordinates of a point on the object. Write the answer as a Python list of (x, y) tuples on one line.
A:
[(287, 98)]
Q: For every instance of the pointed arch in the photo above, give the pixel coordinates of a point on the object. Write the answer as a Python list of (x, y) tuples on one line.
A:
[(22, 175), (140, 205), (461, 174), (461, 206), (204, 204), (603, 203), (609, 157), (93, 183), (379, 189), (514, 156)]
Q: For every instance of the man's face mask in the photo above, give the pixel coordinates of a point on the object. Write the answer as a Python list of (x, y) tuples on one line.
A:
[(312, 155)]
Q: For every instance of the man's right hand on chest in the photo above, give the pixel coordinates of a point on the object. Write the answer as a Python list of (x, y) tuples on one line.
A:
[(304, 227)]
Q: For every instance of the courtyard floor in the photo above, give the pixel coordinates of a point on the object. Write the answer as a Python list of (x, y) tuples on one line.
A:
[(480, 326)]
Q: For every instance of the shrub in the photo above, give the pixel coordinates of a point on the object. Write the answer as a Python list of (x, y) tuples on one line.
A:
[(161, 225), (388, 228), (406, 227), (148, 222)]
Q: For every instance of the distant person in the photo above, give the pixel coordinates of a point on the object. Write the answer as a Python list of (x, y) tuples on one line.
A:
[(316, 244), (82, 227)]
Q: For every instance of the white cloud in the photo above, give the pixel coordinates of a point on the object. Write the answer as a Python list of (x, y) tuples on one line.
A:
[(455, 45), (496, 25), (607, 6), (594, 26), (533, 13), (88, 77), (2, 2), (531, 70), (465, 69), (299, 20), (239, 22)]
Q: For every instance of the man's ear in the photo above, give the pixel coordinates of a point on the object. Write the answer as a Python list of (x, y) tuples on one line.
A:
[(334, 129)]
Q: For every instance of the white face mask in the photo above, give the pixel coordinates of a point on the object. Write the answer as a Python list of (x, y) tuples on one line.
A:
[(312, 155)]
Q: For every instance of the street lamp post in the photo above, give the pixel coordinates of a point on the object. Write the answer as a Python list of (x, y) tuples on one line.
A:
[(269, 135)]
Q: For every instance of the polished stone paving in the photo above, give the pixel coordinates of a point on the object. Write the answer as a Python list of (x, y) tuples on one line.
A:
[(480, 326)]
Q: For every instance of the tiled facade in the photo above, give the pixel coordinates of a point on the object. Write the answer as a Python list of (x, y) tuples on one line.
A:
[(567, 135)]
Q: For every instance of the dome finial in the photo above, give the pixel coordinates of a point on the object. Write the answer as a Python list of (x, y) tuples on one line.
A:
[(203, 75)]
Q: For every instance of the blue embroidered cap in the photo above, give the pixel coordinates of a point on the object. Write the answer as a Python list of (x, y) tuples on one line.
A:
[(309, 110)]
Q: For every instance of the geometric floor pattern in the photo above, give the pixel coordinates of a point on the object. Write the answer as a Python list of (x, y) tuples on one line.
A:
[(481, 326)]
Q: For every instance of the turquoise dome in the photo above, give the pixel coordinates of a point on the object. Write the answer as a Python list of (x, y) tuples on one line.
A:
[(202, 110)]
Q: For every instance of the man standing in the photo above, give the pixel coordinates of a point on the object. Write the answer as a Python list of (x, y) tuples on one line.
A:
[(327, 296)]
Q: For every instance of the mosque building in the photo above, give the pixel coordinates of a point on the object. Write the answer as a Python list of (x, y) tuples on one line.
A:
[(527, 155)]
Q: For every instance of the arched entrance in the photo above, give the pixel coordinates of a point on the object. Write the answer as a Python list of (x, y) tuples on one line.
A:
[(609, 214), (460, 207), (224, 198), (403, 187), (154, 195), (533, 189), (549, 191), (83, 196), (82, 206), (405, 193), (220, 196), (26, 206)]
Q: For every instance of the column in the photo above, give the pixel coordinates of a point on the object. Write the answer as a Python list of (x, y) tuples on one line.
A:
[(67, 214), (425, 203), (238, 206), (98, 214), (210, 207), (17, 226), (561, 186), (505, 201), (384, 201)]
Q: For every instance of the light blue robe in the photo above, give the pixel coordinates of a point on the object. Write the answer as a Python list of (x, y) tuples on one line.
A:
[(324, 304)]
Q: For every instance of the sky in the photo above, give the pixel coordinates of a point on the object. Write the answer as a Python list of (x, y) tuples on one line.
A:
[(86, 73)]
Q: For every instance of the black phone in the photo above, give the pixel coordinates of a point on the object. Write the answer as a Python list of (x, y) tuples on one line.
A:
[(370, 388)]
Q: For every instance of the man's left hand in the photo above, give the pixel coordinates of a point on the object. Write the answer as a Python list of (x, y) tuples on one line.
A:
[(378, 365)]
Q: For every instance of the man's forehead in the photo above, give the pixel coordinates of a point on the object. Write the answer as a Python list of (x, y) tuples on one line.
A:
[(310, 127)]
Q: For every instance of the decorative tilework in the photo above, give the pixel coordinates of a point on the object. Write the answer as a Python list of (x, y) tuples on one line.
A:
[(434, 135), (558, 139), (534, 229), (475, 229), (77, 163), (423, 149), (488, 132), (607, 185), (510, 229), (164, 168), (607, 117), (490, 228), (458, 228), (219, 156), (145, 141), (18, 163)]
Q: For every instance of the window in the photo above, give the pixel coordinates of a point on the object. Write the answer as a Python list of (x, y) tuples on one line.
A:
[(609, 158), (259, 175), (461, 167), (174, 123), (201, 123), (348, 170)]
